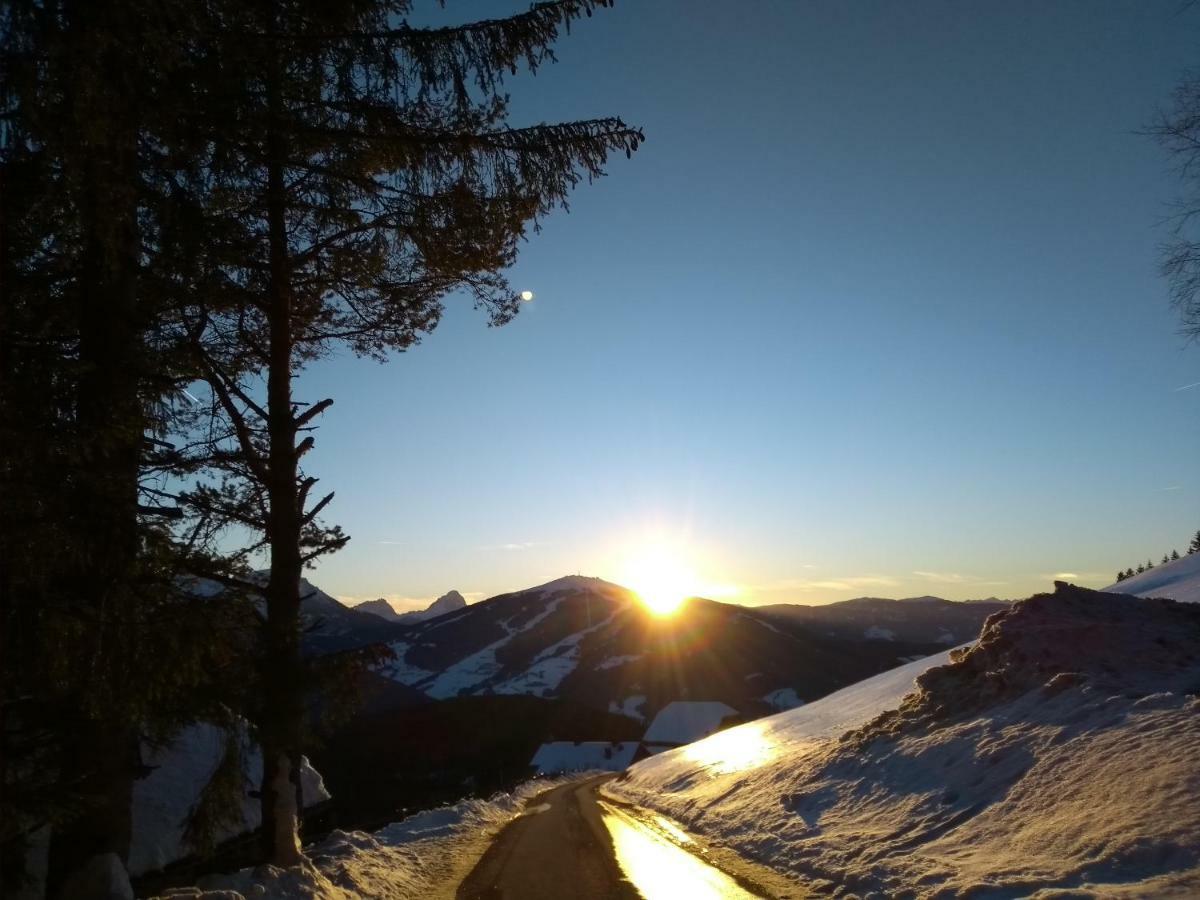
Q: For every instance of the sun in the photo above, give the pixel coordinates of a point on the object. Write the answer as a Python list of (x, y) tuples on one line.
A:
[(660, 578)]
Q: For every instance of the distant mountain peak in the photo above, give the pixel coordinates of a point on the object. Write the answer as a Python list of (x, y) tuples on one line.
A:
[(381, 608), (574, 582), (447, 603)]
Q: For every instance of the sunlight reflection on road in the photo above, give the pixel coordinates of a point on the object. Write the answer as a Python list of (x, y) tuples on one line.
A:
[(659, 869)]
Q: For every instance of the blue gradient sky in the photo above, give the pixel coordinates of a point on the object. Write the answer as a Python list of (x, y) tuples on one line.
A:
[(874, 311)]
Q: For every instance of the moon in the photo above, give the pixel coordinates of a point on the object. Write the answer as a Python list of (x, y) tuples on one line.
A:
[(526, 296)]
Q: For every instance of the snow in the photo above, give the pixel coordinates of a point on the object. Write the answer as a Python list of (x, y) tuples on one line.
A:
[(630, 706), (163, 799), (423, 857), (875, 633), (1177, 580), (783, 698), (687, 720), (400, 670), (569, 756), (614, 661), (1059, 756), (551, 666), (482, 665)]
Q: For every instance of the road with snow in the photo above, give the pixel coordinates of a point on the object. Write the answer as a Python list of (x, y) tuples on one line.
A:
[(568, 843)]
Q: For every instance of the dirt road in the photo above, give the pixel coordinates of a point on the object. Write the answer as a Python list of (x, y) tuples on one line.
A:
[(558, 849), (570, 845)]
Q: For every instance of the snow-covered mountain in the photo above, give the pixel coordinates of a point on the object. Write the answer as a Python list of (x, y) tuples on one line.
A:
[(1059, 756), (1178, 580), (929, 620), (451, 601), (592, 642)]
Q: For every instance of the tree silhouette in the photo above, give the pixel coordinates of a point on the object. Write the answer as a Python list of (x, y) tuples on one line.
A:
[(364, 172)]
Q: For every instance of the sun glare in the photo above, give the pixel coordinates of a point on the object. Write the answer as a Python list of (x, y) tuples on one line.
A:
[(661, 579)]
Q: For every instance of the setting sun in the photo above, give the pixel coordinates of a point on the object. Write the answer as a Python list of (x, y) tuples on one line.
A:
[(661, 579)]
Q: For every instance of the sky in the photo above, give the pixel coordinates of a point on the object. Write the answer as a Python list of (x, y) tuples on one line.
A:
[(875, 310)]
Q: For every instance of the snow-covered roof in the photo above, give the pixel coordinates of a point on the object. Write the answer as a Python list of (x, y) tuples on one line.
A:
[(570, 756), (685, 721)]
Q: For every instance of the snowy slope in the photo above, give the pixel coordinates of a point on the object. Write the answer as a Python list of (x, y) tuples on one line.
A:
[(1061, 753), (1177, 580)]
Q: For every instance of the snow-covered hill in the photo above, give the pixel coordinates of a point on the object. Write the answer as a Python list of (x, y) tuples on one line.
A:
[(1178, 580), (592, 642), (1060, 756)]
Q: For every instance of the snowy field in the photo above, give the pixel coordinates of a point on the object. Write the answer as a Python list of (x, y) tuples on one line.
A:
[(1060, 756)]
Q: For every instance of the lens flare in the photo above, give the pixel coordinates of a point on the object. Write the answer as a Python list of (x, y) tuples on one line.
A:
[(661, 579)]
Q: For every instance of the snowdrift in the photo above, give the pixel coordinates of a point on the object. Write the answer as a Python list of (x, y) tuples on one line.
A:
[(1060, 756)]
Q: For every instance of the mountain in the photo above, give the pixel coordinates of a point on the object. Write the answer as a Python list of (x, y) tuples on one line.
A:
[(378, 607), (1178, 580), (328, 625), (592, 642), (447, 603), (1059, 756), (919, 620)]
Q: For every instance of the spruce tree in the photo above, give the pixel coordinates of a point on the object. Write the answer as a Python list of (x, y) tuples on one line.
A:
[(1194, 546), (1174, 555), (360, 171)]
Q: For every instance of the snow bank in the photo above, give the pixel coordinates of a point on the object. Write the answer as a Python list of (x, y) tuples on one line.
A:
[(1058, 757), (423, 857), (163, 800)]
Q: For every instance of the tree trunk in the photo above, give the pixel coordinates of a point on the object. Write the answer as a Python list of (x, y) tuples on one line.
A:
[(282, 731)]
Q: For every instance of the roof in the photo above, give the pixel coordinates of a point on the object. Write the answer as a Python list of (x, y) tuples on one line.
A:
[(571, 756), (685, 721)]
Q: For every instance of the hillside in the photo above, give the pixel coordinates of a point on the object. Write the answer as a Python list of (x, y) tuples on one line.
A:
[(592, 642), (997, 776), (928, 620), (1177, 580)]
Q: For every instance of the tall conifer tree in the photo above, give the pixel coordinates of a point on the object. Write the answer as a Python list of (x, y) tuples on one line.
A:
[(360, 171)]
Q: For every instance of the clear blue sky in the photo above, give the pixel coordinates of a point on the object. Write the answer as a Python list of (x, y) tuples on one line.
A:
[(874, 311)]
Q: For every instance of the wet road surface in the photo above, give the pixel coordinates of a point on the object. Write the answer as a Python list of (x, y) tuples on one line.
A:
[(568, 844)]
